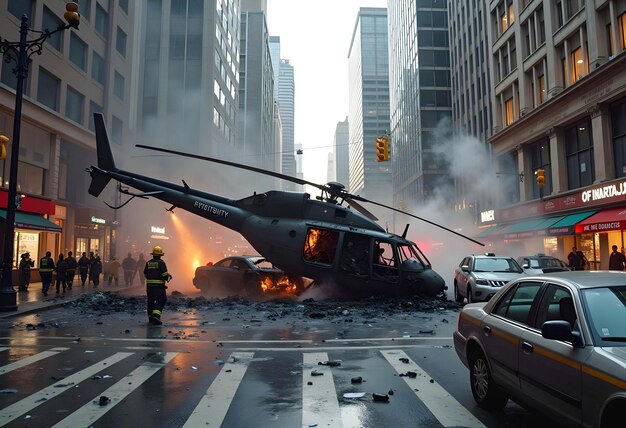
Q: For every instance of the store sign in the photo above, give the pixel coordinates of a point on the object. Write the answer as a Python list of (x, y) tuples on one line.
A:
[(601, 227), (97, 220), (604, 192), (487, 216), (156, 229)]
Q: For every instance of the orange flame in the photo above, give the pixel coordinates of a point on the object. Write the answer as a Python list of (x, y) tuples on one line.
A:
[(283, 284)]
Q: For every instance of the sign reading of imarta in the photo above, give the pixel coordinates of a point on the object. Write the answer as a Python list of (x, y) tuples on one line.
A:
[(210, 208), (610, 191)]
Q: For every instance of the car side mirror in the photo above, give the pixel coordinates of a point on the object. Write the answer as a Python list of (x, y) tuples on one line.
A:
[(561, 330), (525, 265), (465, 268)]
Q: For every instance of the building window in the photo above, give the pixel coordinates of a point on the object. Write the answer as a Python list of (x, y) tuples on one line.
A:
[(74, 104), (84, 8), (18, 8), (102, 21), (504, 21), (509, 113), (118, 86), (618, 113), (541, 80), (51, 23), (540, 159), (511, 16), (576, 60), (97, 68), (579, 155), (124, 6), (117, 127), (78, 52), (30, 179), (609, 38), (48, 89), (120, 42), (622, 30), (93, 108)]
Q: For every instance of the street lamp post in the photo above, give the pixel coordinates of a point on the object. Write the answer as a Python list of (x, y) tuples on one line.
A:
[(20, 52)]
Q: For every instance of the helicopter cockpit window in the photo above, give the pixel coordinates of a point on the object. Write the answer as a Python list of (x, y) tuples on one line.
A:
[(320, 245), (355, 254), (408, 252), (384, 262)]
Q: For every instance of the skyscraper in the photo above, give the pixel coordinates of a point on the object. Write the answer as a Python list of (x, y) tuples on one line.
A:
[(420, 101), (189, 73), (341, 154), (368, 65), (286, 97), (256, 90)]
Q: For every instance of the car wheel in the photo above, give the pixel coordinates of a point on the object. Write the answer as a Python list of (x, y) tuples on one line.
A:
[(486, 393), (457, 295)]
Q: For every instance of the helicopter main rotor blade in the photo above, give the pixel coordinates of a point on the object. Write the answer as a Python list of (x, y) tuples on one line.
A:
[(362, 199), (236, 165), (360, 208)]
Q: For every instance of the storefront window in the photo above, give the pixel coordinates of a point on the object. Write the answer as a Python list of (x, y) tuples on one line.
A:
[(551, 247), (81, 245), (25, 242), (589, 244)]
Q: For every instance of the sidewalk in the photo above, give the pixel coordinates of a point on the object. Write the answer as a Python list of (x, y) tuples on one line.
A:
[(33, 300)]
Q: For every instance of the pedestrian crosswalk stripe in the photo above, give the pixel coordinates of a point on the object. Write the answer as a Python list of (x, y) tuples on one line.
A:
[(3, 349), (212, 408), (91, 412), (29, 360), (19, 408), (440, 403), (320, 406)]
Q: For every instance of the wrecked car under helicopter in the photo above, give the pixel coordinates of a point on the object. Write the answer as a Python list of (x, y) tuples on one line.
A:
[(320, 239)]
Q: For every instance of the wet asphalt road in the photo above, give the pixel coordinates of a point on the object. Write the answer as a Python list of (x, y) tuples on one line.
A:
[(238, 365)]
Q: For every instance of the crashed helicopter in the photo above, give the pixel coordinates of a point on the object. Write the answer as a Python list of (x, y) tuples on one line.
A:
[(319, 239)]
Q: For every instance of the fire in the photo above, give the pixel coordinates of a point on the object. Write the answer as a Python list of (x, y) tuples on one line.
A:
[(282, 284)]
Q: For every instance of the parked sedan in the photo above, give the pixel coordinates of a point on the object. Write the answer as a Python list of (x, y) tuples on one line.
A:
[(245, 276), (540, 263), (555, 343), (478, 277)]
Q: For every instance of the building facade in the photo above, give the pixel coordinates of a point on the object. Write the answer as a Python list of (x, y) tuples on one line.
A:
[(80, 72), (286, 108), (341, 153), (559, 102), (368, 118), (420, 99)]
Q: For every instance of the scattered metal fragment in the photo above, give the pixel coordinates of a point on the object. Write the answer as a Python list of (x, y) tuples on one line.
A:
[(329, 363), (383, 398), (316, 373), (404, 360), (353, 394), (104, 400), (357, 379)]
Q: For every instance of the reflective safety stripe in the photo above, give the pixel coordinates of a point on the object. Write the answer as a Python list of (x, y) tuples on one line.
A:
[(155, 281), (165, 274), (45, 270), (156, 312)]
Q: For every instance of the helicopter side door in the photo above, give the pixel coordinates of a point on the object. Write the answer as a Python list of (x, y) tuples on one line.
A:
[(385, 262), (356, 258)]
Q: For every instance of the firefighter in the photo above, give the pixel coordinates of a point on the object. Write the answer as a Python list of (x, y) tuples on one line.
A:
[(70, 269), (156, 276), (46, 266)]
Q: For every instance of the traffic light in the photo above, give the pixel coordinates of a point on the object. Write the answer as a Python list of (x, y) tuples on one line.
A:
[(541, 179), (382, 148), (4, 140)]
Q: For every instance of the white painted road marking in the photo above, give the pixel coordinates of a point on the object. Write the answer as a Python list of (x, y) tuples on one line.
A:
[(29, 360), (3, 349), (440, 403), (91, 412), (212, 408), (19, 408), (320, 406)]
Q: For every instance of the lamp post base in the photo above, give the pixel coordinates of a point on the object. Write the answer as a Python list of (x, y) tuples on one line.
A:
[(8, 300)]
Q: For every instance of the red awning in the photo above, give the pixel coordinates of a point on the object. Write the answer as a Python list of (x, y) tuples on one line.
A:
[(604, 221)]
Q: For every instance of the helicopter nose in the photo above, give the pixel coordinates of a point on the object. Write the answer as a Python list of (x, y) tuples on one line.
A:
[(434, 284)]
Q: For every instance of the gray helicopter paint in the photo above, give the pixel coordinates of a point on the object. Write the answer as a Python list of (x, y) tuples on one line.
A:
[(211, 209)]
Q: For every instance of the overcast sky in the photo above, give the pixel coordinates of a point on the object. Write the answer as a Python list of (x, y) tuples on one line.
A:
[(315, 37)]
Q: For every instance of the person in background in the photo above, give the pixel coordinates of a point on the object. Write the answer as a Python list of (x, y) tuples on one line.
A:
[(60, 273), (156, 276), (92, 260), (24, 271), (106, 271), (83, 268), (46, 267), (130, 267), (616, 260), (95, 270), (141, 264), (70, 269), (583, 260), (574, 259), (114, 271)]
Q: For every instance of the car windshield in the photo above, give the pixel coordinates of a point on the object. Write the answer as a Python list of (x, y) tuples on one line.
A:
[(606, 309), (496, 264), (546, 262), (262, 263)]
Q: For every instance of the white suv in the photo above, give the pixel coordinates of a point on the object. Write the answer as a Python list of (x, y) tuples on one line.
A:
[(479, 277)]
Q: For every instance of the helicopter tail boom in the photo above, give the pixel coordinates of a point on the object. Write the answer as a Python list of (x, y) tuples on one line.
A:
[(103, 147)]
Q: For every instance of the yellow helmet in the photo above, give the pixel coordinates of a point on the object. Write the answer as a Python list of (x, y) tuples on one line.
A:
[(157, 251)]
